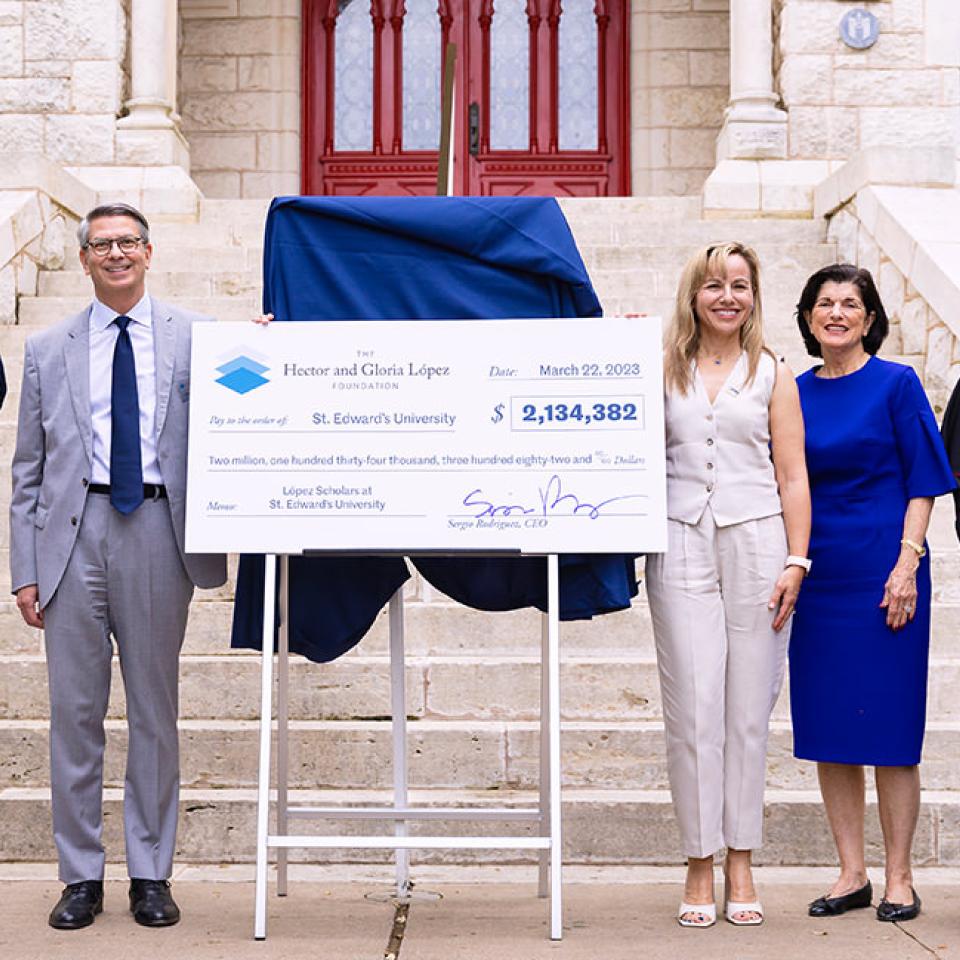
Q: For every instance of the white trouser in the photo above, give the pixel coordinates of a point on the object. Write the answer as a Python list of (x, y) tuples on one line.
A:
[(721, 668)]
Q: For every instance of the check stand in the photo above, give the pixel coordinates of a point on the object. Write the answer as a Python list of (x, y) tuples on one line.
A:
[(547, 814)]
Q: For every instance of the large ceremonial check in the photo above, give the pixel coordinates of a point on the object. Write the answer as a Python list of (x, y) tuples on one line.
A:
[(533, 436)]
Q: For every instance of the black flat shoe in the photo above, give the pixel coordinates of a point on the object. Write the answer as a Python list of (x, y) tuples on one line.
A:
[(152, 903), (894, 912), (78, 905), (834, 906)]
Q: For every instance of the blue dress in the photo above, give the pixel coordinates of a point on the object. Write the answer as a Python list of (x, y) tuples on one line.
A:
[(858, 689)]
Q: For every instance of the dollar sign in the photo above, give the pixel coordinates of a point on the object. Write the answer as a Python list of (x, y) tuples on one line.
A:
[(497, 413)]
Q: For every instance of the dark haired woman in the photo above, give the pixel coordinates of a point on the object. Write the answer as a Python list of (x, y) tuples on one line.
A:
[(858, 652)]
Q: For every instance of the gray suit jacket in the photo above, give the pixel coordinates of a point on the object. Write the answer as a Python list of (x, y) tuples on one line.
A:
[(53, 459)]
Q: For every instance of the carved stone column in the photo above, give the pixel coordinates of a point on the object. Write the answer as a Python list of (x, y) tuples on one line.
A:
[(150, 133), (754, 127)]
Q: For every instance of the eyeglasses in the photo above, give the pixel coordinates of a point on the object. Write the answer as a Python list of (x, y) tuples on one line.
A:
[(102, 247), (847, 307)]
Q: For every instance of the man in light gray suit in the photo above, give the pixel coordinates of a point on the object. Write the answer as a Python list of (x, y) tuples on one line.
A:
[(97, 552)]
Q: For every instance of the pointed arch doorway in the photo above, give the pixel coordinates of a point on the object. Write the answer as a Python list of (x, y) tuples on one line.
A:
[(542, 102)]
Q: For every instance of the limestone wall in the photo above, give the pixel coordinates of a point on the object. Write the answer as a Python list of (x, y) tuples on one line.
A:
[(62, 78), (903, 91), (680, 83), (239, 95), (40, 207), (895, 232), (33, 231), (917, 334)]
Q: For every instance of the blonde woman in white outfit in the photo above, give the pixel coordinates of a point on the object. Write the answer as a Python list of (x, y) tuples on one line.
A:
[(722, 595)]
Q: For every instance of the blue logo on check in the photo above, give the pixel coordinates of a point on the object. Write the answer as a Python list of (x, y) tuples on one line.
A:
[(242, 374)]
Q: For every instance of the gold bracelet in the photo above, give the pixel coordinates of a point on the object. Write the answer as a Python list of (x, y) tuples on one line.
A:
[(918, 549)]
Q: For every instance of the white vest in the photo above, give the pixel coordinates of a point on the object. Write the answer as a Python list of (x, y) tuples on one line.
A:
[(720, 453)]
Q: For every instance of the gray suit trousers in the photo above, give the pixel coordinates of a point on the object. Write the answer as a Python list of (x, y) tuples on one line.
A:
[(124, 579)]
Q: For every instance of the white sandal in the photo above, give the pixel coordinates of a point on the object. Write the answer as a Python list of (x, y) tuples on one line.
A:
[(708, 910), (733, 908)]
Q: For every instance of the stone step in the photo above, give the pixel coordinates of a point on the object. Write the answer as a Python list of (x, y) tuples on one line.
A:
[(474, 755), (641, 232), (165, 285), (230, 221), (174, 258), (231, 228), (183, 256), (634, 221), (220, 244), (485, 687), (234, 208), (42, 311), (243, 221), (667, 258), (682, 210), (438, 628), (660, 264), (442, 628), (583, 211), (358, 687), (599, 826), (664, 255)]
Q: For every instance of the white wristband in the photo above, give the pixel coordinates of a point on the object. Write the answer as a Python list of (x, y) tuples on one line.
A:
[(793, 561)]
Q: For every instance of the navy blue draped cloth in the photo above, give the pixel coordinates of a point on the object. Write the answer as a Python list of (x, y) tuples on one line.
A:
[(421, 258)]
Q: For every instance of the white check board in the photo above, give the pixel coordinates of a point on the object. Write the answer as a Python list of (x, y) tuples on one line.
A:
[(537, 436)]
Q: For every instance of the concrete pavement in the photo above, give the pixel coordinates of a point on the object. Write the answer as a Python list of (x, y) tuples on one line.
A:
[(613, 913)]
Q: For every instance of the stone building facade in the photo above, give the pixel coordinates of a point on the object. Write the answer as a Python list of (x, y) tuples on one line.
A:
[(747, 118), (903, 91), (756, 106), (213, 87), (239, 77)]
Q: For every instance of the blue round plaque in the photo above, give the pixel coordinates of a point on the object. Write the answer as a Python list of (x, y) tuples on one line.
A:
[(859, 28)]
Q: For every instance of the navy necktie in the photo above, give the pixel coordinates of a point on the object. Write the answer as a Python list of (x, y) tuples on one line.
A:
[(126, 472)]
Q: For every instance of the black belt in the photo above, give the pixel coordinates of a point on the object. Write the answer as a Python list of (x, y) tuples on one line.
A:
[(151, 491)]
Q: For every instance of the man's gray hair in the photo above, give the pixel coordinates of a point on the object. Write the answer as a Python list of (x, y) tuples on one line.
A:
[(112, 210)]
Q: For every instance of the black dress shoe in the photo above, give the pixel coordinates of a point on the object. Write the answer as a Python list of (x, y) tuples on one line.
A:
[(152, 903), (892, 912), (78, 905), (834, 906)]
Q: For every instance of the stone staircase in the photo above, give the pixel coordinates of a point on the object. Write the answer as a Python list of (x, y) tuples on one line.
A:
[(472, 678)]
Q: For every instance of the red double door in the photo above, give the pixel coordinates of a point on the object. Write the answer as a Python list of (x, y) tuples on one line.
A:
[(541, 106)]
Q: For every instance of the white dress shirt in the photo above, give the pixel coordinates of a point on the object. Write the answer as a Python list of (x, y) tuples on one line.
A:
[(103, 339)]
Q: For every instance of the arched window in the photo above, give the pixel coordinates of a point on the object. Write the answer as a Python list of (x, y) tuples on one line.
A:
[(578, 76), (509, 76), (353, 90), (421, 76)]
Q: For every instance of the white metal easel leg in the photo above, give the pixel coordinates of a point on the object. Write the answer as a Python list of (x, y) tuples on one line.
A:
[(283, 718), (553, 715), (543, 872), (263, 783), (398, 709)]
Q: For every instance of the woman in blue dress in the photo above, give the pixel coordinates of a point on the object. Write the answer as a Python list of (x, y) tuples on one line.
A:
[(858, 652)]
